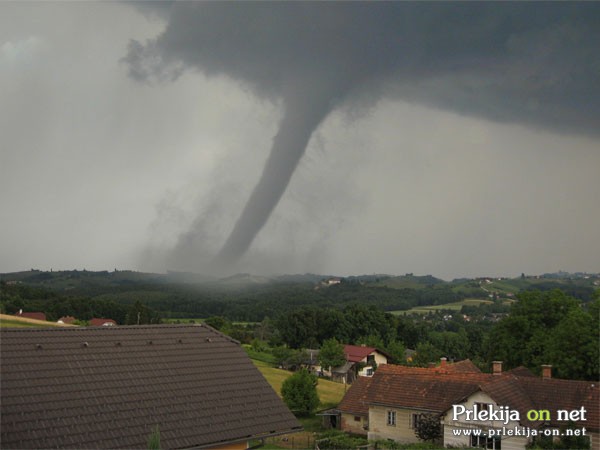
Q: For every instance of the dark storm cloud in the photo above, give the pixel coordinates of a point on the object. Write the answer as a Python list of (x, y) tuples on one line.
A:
[(539, 61), (532, 63)]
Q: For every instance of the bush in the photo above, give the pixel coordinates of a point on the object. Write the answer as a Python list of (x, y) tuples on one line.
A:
[(428, 428), (335, 439), (299, 393)]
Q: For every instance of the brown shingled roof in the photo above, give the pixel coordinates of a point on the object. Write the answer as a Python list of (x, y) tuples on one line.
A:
[(108, 387)]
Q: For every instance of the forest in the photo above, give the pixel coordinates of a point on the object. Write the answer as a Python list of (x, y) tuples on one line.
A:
[(536, 325)]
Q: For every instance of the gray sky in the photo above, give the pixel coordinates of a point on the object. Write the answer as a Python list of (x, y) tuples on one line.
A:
[(455, 142)]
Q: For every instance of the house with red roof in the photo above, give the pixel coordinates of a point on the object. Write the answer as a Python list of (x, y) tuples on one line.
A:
[(391, 403), (67, 319), (368, 357), (361, 361), (99, 322), (354, 408)]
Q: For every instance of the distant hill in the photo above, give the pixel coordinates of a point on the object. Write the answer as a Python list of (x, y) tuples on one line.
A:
[(247, 297), (409, 281)]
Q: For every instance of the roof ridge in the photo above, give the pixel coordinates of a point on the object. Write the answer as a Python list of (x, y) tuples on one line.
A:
[(116, 329)]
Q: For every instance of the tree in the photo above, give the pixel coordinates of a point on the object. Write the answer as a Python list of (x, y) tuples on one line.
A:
[(426, 352), (397, 352), (217, 322), (573, 347), (428, 427), (331, 354), (140, 314), (287, 357), (548, 328), (299, 393)]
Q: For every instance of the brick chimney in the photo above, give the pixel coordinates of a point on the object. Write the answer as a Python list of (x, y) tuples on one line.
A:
[(546, 371), (497, 367), (443, 362)]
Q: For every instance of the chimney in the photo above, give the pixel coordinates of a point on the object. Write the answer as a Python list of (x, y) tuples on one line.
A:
[(546, 371), (497, 367), (443, 362)]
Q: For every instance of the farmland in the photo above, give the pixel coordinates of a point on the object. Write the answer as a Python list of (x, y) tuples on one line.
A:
[(456, 306)]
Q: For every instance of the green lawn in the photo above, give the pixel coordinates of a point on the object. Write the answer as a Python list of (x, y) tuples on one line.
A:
[(330, 393), (17, 324), (456, 306)]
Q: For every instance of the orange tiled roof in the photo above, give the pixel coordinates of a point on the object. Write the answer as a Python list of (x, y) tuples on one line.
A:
[(437, 389), (423, 388), (356, 399)]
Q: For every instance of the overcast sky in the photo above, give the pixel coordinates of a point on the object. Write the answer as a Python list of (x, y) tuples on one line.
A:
[(461, 141)]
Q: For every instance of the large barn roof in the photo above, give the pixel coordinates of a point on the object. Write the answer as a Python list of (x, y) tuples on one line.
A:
[(109, 387)]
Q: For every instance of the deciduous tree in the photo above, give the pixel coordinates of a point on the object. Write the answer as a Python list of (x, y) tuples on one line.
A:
[(299, 393)]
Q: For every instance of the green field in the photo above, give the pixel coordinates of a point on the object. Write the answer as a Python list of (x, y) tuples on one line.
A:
[(330, 393), (456, 306), (19, 324)]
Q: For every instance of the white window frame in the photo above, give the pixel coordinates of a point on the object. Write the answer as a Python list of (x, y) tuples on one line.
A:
[(391, 418)]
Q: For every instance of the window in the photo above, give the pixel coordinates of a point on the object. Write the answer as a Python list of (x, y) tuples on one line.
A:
[(482, 406), (370, 359), (414, 420), (369, 371), (356, 418), (391, 418), (487, 442)]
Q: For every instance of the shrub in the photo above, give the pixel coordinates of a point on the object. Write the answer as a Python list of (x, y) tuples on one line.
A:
[(299, 393)]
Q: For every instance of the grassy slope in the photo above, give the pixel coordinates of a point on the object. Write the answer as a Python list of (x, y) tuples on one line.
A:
[(330, 393), (20, 322)]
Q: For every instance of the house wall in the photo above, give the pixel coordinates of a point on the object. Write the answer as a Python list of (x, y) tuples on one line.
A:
[(402, 432), (508, 442), (379, 359), (350, 425)]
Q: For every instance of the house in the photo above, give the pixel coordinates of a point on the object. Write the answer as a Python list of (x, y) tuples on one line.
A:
[(67, 320), (110, 387), (98, 322), (368, 357), (536, 405), (361, 361), (31, 315), (353, 411), (391, 404), (354, 408)]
